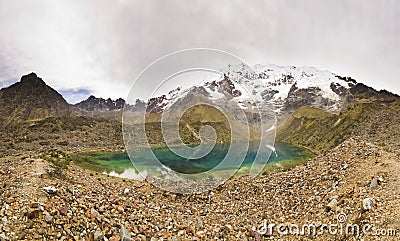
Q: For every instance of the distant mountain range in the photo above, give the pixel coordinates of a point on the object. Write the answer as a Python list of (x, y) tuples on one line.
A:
[(286, 87), (315, 109), (93, 103)]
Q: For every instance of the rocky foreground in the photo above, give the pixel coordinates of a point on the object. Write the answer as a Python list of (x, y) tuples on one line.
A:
[(355, 183)]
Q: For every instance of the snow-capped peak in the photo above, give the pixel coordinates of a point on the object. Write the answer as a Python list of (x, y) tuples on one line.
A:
[(279, 85)]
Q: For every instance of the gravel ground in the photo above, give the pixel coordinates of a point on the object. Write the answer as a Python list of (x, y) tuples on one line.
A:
[(356, 183)]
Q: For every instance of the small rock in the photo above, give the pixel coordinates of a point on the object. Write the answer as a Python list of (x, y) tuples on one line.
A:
[(95, 215), (114, 238), (331, 205), (63, 211), (9, 200), (199, 233), (98, 236), (124, 234), (39, 174), (191, 230), (50, 189), (126, 191), (120, 209), (374, 184), (132, 217), (228, 227), (48, 218), (102, 209), (149, 178), (367, 204), (33, 213), (199, 224), (34, 205)]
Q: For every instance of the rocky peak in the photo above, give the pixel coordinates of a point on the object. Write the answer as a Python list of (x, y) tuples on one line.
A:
[(227, 86), (32, 78), (93, 103), (30, 99)]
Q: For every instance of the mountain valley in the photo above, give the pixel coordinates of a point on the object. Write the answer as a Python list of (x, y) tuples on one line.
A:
[(353, 130)]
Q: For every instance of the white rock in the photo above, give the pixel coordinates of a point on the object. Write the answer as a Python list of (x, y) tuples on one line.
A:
[(367, 203), (50, 189), (126, 191), (98, 236), (374, 184), (124, 234)]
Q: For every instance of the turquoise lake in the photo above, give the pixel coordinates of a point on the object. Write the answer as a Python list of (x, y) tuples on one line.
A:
[(118, 164)]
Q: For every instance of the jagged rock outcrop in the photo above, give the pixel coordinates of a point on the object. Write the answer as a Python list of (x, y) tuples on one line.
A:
[(93, 103)]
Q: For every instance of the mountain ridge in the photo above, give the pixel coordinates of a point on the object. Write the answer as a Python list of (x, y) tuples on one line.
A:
[(31, 98), (72, 128), (286, 87), (94, 103)]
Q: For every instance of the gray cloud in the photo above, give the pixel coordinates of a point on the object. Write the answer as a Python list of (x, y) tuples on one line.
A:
[(102, 45)]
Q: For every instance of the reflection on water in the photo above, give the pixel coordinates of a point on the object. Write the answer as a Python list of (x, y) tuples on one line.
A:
[(119, 164), (129, 173)]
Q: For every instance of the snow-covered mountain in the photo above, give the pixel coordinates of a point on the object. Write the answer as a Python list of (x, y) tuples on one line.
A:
[(286, 87)]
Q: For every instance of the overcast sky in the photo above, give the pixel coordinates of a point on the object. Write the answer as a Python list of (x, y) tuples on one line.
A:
[(99, 47)]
